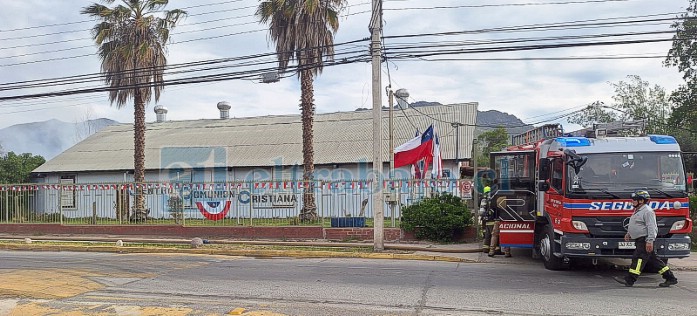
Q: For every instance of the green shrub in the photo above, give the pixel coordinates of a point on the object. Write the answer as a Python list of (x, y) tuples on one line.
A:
[(438, 218)]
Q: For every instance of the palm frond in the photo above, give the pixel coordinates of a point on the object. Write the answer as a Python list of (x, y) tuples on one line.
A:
[(132, 47), (303, 30)]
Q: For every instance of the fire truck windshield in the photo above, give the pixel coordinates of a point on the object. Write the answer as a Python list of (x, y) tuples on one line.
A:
[(619, 172)]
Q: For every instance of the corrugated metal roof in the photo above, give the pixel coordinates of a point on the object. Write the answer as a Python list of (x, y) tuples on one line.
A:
[(341, 137)]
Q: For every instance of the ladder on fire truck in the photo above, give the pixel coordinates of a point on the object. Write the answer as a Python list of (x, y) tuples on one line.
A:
[(536, 134), (617, 128)]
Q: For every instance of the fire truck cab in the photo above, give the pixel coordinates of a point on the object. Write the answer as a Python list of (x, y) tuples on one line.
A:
[(568, 196)]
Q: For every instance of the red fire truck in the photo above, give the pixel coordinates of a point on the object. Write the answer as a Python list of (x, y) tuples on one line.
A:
[(568, 197)]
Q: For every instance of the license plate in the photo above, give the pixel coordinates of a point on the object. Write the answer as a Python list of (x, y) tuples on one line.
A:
[(626, 245)]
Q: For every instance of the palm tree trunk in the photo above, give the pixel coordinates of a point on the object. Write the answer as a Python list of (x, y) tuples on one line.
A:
[(307, 109), (140, 212)]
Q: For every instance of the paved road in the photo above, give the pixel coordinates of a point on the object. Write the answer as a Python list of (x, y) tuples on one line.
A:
[(39, 283)]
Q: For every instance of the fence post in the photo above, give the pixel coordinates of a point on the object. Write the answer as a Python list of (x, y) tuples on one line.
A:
[(7, 206), (251, 204), (94, 213), (60, 204)]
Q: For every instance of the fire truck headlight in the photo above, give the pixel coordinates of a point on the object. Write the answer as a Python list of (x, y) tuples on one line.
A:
[(678, 246), (678, 225), (677, 205), (578, 246), (580, 225)]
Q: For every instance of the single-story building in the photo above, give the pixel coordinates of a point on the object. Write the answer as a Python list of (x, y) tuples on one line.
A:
[(265, 152), (260, 148)]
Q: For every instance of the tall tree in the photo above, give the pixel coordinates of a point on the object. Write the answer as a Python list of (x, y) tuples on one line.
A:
[(638, 99), (634, 99), (683, 55), (303, 31), (17, 168), (132, 39), (490, 141), (592, 114)]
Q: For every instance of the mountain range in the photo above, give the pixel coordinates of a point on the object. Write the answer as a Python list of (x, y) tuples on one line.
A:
[(50, 138)]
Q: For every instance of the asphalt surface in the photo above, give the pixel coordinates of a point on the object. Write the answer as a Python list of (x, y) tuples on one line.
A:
[(78, 283)]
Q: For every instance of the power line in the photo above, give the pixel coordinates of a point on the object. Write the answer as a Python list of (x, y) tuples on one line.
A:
[(189, 80), (430, 52), (87, 21), (504, 5), (522, 40), (545, 58), (538, 27), (168, 69), (529, 27)]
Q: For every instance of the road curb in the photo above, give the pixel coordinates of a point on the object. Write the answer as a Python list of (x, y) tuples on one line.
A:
[(428, 248), (257, 253)]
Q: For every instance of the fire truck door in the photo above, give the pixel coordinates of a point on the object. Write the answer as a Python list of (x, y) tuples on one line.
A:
[(516, 210), (518, 234)]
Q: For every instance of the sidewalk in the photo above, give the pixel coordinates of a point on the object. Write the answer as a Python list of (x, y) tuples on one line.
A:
[(467, 252)]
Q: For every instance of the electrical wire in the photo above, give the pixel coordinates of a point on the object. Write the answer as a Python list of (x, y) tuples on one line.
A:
[(97, 76), (533, 27), (472, 6)]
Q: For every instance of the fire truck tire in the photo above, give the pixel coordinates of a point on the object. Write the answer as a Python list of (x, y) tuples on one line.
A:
[(550, 261)]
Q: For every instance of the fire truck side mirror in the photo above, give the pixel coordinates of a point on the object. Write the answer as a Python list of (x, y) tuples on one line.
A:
[(544, 168), (543, 186)]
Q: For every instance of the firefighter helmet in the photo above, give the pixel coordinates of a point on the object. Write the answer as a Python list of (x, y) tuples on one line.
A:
[(487, 189), (641, 195)]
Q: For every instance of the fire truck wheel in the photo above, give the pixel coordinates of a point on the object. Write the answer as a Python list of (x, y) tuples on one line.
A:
[(551, 261)]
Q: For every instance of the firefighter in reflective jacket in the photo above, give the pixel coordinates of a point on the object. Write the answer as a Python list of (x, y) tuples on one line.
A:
[(643, 230), (488, 217), (495, 248)]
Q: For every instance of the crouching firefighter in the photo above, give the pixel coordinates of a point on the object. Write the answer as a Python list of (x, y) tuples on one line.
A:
[(643, 230)]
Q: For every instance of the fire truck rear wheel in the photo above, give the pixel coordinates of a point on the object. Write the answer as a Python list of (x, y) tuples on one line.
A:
[(551, 261)]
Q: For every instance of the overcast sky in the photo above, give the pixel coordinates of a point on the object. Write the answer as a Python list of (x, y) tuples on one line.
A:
[(533, 90)]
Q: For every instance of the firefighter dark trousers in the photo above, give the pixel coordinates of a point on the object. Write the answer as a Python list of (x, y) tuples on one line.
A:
[(488, 232), (641, 259), (495, 245)]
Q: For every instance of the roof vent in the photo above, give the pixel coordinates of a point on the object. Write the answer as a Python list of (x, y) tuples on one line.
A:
[(161, 112), (224, 108), (402, 96)]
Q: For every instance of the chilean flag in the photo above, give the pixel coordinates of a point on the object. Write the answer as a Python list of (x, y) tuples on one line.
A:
[(415, 149)]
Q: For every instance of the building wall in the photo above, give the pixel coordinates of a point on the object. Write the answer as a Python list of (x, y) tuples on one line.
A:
[(91, 196)]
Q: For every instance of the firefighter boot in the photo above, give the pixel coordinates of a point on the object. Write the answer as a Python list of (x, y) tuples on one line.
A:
[(670, 279), (628, 282), (507, 252)]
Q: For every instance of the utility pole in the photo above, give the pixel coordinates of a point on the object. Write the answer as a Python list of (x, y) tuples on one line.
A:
[(378, 199), (475, 193), (392, 200), (457, 125)]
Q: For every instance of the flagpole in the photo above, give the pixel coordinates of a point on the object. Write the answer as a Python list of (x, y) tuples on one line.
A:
[(392, 199)]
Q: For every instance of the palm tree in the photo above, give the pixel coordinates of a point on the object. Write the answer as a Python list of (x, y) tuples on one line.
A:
[(132, 43), (303, 31)]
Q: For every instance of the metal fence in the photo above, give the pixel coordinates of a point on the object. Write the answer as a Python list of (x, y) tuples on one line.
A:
[(263, 203)]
